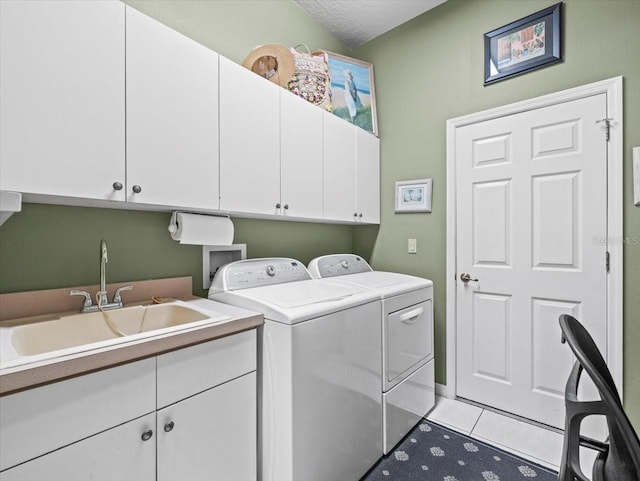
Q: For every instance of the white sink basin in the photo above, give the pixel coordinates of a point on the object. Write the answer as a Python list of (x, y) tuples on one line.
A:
[(79, 329), (82, 332)]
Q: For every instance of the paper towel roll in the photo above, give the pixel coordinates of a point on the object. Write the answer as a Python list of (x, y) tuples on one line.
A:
[(200, 229)]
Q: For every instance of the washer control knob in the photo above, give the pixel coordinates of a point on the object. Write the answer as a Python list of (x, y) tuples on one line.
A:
[(271, 271), (344, 264)]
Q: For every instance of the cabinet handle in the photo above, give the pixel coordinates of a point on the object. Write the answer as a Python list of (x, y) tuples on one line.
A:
[(278, 205), (147, 435), (137, 189), (117, 186), (168, 427), (286, 206)]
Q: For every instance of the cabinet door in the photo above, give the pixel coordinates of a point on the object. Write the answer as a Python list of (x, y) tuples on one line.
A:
[(339, 169), (62, 84), (249, 141), (212, 435), (368, 172), (118, 454), (172, 117), (40, 420), (300, 157)]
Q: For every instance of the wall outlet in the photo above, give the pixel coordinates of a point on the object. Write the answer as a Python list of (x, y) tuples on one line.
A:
[(412, 246)]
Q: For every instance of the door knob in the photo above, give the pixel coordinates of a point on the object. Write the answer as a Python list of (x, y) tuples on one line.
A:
[(464, 277)]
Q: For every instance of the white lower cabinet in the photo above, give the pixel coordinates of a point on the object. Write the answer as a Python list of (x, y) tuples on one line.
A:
[(218, 446), (107, 426), (118, 454)]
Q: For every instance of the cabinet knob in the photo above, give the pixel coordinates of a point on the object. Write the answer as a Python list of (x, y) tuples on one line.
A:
[(147, 435), (286, 207), (278, 205), (117, 186), (355, 214), (136, 189), (360, 215), (168, 427)]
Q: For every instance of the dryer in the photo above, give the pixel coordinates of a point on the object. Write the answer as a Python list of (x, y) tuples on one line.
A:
[(408, 382), (319, 371)]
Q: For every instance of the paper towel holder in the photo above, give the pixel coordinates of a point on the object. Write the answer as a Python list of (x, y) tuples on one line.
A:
[(173, 223), (214, 257)]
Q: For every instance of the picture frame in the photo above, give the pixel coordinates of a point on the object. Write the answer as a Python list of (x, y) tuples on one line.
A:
[(353, 95), (527, 44), (413, 196)]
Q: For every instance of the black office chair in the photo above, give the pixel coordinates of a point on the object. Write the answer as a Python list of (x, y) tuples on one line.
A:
[(619, 459)]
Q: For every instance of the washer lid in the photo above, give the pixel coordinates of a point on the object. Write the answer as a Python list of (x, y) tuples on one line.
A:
[(386, 283), (295, 302)]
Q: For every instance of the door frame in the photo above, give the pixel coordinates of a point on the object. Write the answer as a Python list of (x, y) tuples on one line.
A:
[(613, 89)]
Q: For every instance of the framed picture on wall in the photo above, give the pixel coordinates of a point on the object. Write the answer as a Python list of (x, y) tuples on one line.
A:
[(413, 196), (524, 45), (352, 91)]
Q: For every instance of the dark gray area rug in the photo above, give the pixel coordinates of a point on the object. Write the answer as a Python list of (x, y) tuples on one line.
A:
[(434, 453)]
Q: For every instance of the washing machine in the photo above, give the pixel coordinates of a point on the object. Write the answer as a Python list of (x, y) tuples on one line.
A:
[(319, 371), (408, 382)]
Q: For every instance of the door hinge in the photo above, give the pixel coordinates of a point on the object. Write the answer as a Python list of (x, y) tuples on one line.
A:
[(607, 122), (608, 261)]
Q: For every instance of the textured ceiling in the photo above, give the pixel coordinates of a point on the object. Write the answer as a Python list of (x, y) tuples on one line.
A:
[(355, 22)]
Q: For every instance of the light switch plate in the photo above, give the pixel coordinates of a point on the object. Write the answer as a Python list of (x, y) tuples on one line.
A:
[(636, 176), (412, 246)]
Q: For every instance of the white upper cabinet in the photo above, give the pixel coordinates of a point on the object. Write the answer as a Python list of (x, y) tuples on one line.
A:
[(351, 172), (249, 141), (62, 96), (99, 102), (301, 158), (368, 175), (340, 197), (172, 117)]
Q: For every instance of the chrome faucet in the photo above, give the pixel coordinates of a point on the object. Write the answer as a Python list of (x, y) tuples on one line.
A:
[(102, 301), (104, 258)]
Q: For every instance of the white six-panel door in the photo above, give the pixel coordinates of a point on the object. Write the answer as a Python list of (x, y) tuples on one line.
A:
[(531, 228)]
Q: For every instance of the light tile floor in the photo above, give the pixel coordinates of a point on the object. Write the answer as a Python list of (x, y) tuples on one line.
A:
[(535, 443)]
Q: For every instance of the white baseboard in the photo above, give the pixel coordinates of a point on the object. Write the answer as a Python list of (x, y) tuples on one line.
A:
[(443, 391)]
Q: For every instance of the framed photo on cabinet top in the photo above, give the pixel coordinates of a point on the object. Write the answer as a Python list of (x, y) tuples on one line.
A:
[(524, 45), (353, 96)]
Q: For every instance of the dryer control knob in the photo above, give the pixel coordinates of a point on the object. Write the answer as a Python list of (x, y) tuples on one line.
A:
[(271, 271)]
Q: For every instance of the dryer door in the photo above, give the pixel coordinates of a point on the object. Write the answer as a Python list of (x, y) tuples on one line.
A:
[(409, 341)]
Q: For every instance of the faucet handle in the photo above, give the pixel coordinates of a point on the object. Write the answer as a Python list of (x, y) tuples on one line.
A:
[(87, 297), (117, 297)]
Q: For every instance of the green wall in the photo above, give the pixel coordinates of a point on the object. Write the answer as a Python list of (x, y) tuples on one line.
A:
[(426, 71), (431, 69)]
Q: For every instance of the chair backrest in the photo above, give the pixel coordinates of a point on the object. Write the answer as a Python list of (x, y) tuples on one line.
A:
[(624, 453)]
